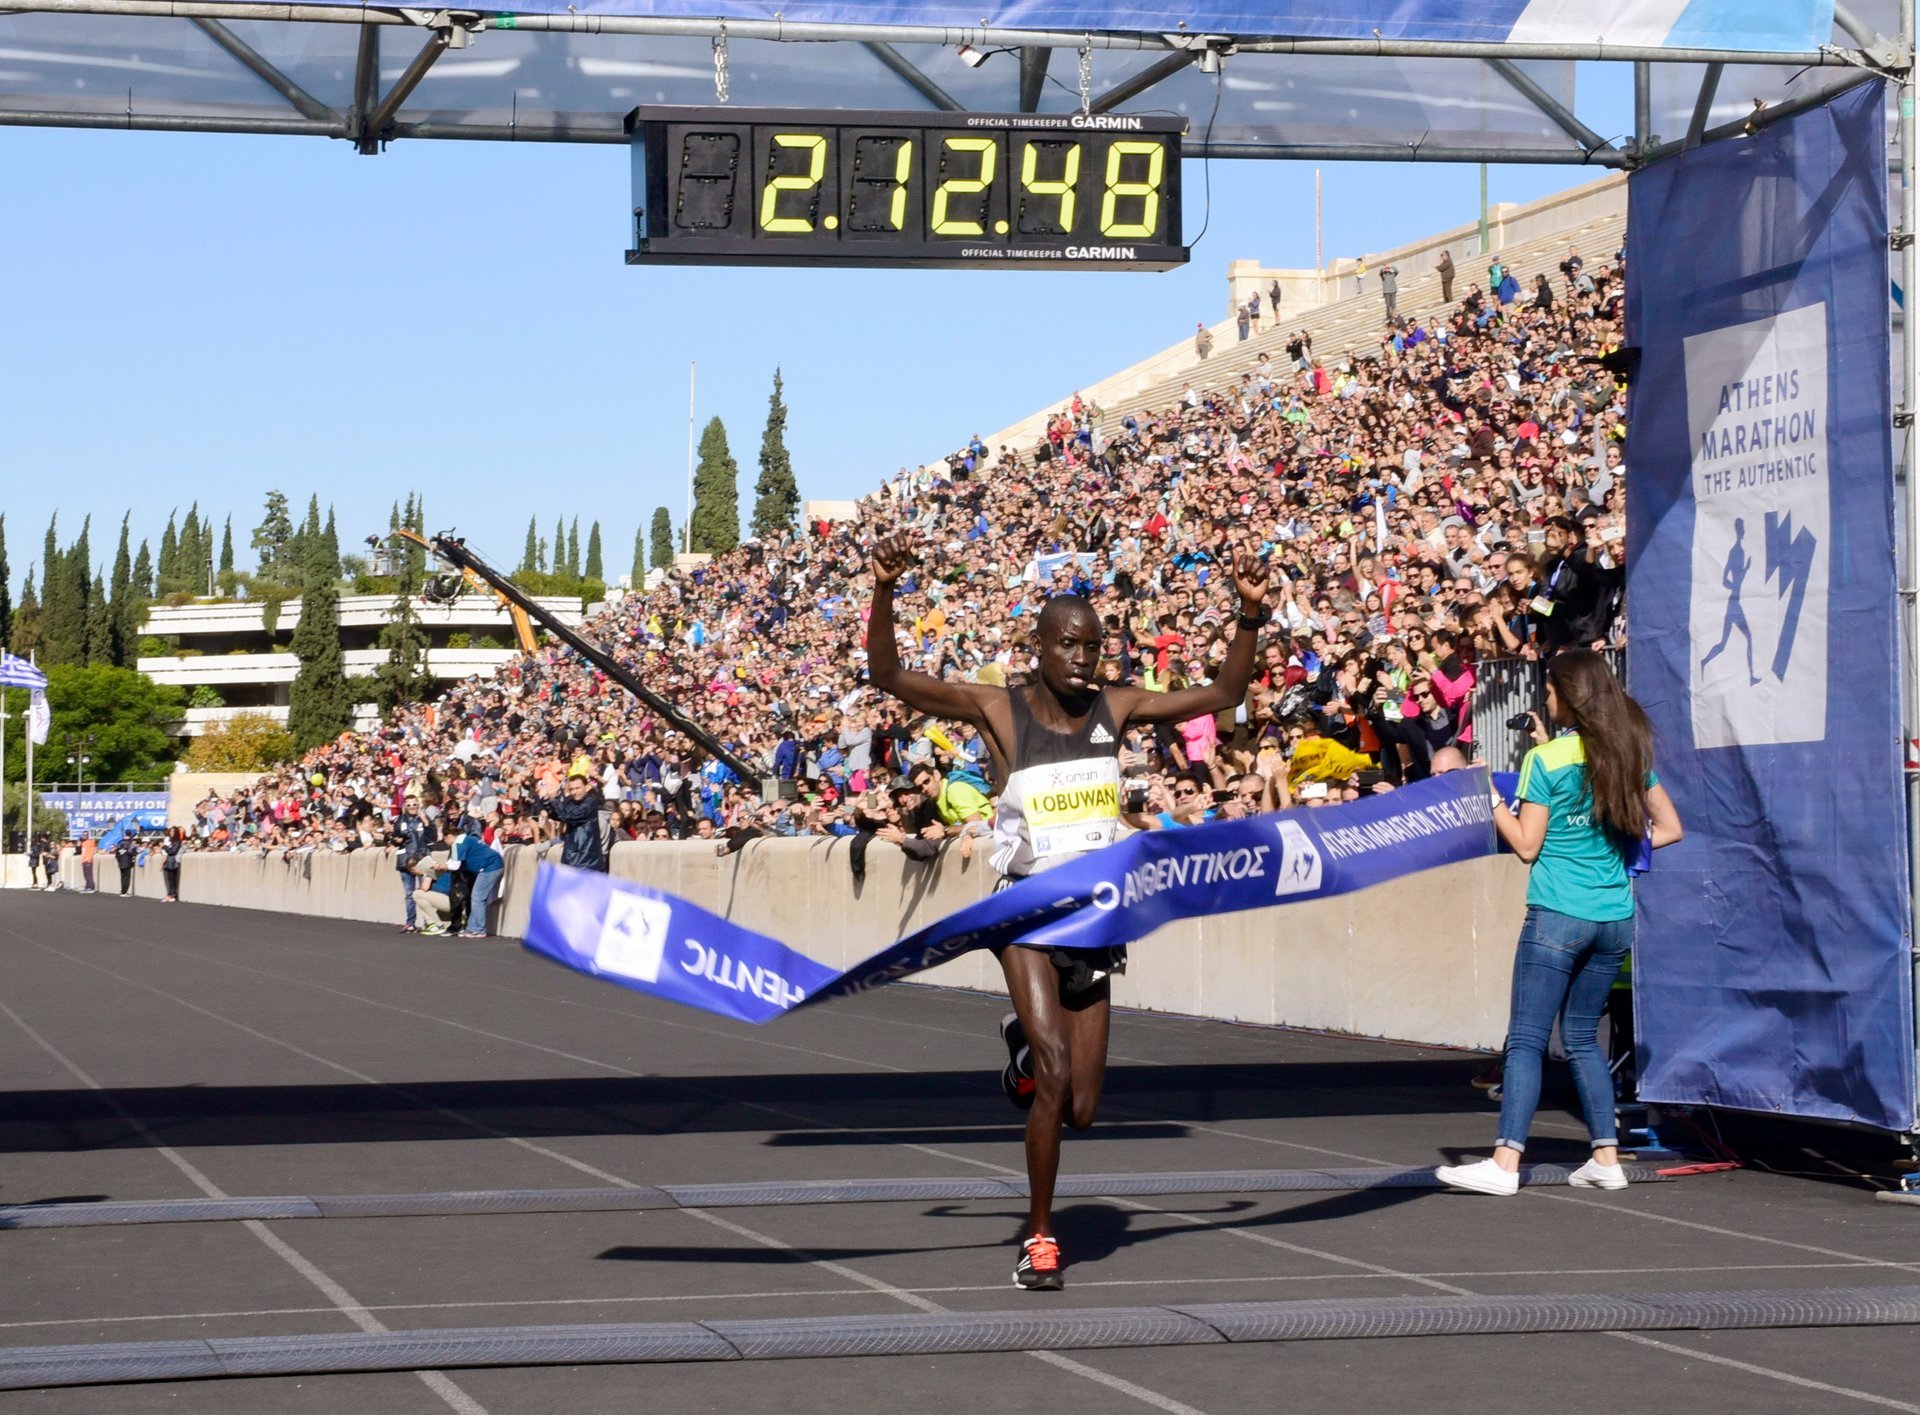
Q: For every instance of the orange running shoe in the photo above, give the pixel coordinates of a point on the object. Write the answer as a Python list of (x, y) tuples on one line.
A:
[(1039, 1267)]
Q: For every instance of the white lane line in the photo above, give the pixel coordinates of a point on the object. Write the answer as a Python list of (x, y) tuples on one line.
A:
[(841, 1270), (594, 1062), (436, 1381), (1731, 1232), (1248, 1236), (1111, 1107), (1783, 1376)]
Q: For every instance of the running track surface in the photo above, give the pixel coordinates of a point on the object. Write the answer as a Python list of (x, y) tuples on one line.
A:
[(174, 1052)]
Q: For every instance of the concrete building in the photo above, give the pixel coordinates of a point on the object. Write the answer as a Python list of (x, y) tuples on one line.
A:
[(226, 646)]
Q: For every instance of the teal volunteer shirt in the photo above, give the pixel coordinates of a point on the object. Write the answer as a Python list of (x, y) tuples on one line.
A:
[(1581, 871)]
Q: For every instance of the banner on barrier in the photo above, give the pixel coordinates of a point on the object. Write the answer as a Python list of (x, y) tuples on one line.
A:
[(658, 943), (1773, 969)]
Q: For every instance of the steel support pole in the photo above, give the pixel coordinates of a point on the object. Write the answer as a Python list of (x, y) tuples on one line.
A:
[(946, 37), (1703, 105), (915, 80), (1642, 105), (1033, 76), (174, 123), (307, 105), (1563, 119), (366, 83), (402, 89), (1907, 445), (1154, 73)]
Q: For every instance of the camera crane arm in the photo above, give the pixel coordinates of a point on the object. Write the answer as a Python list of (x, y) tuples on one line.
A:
[(454, 552)]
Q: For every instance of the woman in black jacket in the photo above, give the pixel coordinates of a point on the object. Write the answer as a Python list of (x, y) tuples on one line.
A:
[(176, 846)]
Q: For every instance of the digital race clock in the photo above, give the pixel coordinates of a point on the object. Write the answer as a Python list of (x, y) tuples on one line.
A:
[(1026, 191)]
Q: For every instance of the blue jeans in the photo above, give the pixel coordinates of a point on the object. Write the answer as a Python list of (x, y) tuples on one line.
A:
[(407, 882), (1565, 967), (483, 886)]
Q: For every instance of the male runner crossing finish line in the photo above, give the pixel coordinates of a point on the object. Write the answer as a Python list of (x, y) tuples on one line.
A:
[(1055, 747)]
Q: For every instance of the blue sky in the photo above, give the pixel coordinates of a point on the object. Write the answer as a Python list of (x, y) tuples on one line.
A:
[(206, 318)]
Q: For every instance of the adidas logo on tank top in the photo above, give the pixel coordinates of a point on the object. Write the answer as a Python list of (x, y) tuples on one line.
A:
[(1099, 734)]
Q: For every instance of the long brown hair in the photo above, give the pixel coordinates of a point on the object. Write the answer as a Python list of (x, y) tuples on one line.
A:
[(1616, 734)]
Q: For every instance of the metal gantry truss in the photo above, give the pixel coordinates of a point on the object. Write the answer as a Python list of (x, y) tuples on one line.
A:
[(372, 118)]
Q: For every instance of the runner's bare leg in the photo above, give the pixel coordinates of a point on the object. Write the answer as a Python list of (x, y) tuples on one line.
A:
[(1067, 1042)]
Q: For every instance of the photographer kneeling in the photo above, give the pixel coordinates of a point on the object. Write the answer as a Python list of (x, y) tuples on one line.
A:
[(1588, 797)]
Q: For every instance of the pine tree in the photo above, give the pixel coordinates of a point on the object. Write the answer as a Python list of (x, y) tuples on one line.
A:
[(120, 606), (272, 539), (403, 677), (776, 499), (716, 494), (573, 549), (6, 588), (320, 704), (530, 557), (99, 630), (143, 573), (662, 542)]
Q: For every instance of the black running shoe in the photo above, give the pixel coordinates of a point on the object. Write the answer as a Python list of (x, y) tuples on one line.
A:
[(1017, 1079), (1039, 1266)]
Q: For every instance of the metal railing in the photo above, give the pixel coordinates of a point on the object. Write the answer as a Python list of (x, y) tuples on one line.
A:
[(1503, 689)]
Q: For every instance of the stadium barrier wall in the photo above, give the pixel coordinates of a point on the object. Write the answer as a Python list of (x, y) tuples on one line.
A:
[(1427, 958)]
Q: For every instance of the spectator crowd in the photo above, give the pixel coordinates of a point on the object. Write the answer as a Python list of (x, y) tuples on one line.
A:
[(1450, 497)]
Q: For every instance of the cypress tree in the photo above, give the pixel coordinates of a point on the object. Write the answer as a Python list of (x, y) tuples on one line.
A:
[(49, 557), (662, 542), (192, 551), (320, 705), (573, 548), (776, 498), (169, 567), (119, 608), (6, 588), (530, 557), (143, 573), (63, 605), (25, 638), (594, 570), (272, 538), (716, 494), (403, 677), (226, 556), (393, 516), (557, 564), (332, 535), (99, 630), (637, 576)]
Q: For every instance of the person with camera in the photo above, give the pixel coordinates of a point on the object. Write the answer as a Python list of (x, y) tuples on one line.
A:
[(1588, 797), (1066, 725)]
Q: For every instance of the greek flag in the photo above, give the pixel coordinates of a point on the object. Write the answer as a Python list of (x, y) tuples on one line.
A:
[(16, 672)]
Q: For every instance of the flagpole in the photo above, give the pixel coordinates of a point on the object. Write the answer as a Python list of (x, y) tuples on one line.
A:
[(28, 823)]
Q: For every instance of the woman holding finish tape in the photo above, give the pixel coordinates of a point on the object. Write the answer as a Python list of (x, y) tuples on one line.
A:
[(1588, 796)]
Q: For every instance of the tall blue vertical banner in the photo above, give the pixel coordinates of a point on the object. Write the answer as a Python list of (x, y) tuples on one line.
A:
[(1773, 969)]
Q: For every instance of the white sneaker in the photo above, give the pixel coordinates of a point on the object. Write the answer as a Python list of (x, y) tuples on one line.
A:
[(1592, 1175), (1483, 1177)]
